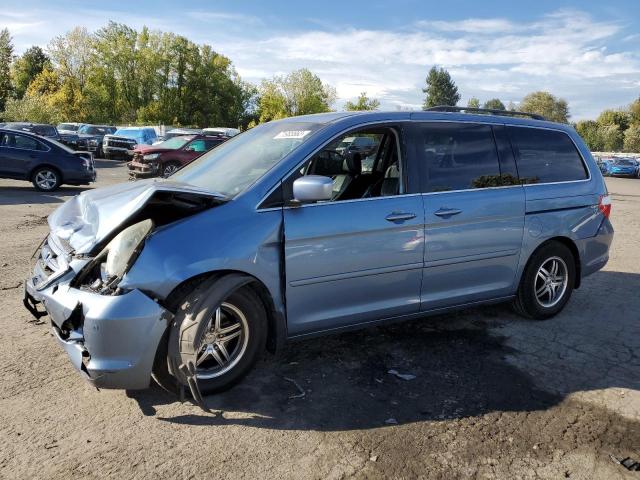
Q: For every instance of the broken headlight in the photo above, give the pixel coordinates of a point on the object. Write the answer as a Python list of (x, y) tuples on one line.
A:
[(123, 247), (151, 156)]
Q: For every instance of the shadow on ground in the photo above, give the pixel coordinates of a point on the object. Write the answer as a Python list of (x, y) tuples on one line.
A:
[(25, 194), (459, 361)]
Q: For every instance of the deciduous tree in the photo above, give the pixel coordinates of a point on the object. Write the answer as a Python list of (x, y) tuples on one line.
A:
[(363, 103), (547, 105)]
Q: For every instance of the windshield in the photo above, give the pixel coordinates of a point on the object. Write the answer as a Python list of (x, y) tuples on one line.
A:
[(237, 163), (175, 142), (625, 162), (129, 132), (70, 127), (92, 130)]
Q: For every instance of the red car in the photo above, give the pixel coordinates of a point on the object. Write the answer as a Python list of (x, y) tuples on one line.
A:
[(165, 158)]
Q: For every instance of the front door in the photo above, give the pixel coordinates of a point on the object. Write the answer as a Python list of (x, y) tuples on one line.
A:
[(17, 154), (474, 215), (359, 257)]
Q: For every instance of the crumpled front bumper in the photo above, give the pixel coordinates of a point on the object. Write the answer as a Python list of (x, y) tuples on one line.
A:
[(110, 340)]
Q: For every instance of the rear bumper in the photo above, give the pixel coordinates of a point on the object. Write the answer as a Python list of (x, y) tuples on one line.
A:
[(110, 340), (594, 251)]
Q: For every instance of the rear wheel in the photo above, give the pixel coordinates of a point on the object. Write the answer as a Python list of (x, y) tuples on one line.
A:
[(46, 179), (233, 338), (547, 282)]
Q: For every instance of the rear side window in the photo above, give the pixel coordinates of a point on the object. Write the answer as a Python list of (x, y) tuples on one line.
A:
[(19, 141), (546, 156), (457, 156)]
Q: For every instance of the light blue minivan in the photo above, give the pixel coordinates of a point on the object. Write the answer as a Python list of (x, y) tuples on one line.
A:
[(279, 234)]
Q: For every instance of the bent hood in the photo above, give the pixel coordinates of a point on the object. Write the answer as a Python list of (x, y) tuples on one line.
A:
[(89, 218)]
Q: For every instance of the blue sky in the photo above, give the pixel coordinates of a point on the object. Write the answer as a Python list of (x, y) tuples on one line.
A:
[(586, 52)]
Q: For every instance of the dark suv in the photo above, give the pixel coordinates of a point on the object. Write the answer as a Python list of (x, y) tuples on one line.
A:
[(46, 163), (42, 129), (90, 138)]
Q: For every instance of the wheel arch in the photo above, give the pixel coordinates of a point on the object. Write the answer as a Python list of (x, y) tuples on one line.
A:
[(571, 245), (48, 165), (276, 322)]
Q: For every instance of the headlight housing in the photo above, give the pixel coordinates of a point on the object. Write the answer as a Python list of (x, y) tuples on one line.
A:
[(93, 142), (151, 156), (123, 249)]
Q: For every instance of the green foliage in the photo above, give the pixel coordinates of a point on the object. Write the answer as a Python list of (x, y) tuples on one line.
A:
[(615, 117), (494, 104), (31, 108), (473, 103), (299, 93), (612, 137), (6, 57), (632, 138), (26, 68), (363, 103), (440, 89), (634, 111), (589, 130), (547, 105)]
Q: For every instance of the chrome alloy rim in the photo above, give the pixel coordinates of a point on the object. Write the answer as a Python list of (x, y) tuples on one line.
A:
[(170, 170), (551, 282), (46, 179), (223, 342)]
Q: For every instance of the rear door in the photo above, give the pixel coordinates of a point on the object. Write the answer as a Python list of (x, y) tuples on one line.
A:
[(474, 213), (358, 257)]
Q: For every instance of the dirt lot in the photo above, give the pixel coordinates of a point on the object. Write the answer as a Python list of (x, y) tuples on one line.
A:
[(494, 396)]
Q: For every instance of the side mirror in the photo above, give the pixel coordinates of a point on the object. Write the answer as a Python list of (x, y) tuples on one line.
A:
[(312, 188)]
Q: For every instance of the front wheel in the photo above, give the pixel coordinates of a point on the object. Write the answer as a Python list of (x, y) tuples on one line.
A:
[(547, 282), (170, 168), (233, 338)]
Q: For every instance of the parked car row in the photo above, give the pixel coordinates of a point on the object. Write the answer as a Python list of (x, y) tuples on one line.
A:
[(619, 166)]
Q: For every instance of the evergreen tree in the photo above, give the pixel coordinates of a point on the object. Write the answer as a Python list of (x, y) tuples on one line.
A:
[(440, 89)]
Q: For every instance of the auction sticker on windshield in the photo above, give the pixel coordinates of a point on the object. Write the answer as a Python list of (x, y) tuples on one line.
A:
[(288, 134)]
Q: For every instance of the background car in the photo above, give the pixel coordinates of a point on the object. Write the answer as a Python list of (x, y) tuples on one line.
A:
[(225, 131), (90, 138), (620, 167), (169, 156), (46, 163), (42, 129), (176, 132), (121, 143)]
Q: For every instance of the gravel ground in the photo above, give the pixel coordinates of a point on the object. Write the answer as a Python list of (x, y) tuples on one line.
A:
[(494, 396)]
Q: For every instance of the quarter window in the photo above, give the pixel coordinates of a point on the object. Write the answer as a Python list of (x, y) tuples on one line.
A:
[(457, 156), (546, 156)]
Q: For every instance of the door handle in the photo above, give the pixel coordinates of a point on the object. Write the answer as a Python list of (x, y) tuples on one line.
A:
[(399, 216), (447, 212)]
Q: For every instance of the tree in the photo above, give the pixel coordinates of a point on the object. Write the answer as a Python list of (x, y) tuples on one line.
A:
[(632, 139), (612, 137), (6, 58), (363, 103), (440, 89), (494, 104), (27, 67), (299, 93), (589, 130), (31, 109), (473, 103), (634, 111), (614, 117), (547, 105)]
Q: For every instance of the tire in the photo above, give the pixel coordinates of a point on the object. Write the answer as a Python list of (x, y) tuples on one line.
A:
[(170, 168), (535, 299), (46, 179), (212, 376)]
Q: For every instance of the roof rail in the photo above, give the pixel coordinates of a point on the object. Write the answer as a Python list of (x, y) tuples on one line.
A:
[(508, 113)]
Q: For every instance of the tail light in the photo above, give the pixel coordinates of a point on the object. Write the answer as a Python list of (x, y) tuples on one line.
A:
[(604, 205)]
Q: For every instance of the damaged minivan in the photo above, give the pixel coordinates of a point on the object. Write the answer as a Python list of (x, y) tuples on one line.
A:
[(281, 234)]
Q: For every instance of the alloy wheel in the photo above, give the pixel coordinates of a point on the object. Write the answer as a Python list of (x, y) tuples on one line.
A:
[(223, 342), (46, 179), (551, 282)]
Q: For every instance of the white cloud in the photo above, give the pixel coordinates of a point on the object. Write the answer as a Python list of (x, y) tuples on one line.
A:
[(567, 52)]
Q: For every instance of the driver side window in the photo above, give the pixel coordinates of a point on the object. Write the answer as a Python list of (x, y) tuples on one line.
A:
[(362, 164)]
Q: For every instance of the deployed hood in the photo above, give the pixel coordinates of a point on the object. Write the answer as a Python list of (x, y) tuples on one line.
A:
[(95, 216), (147, 149)]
